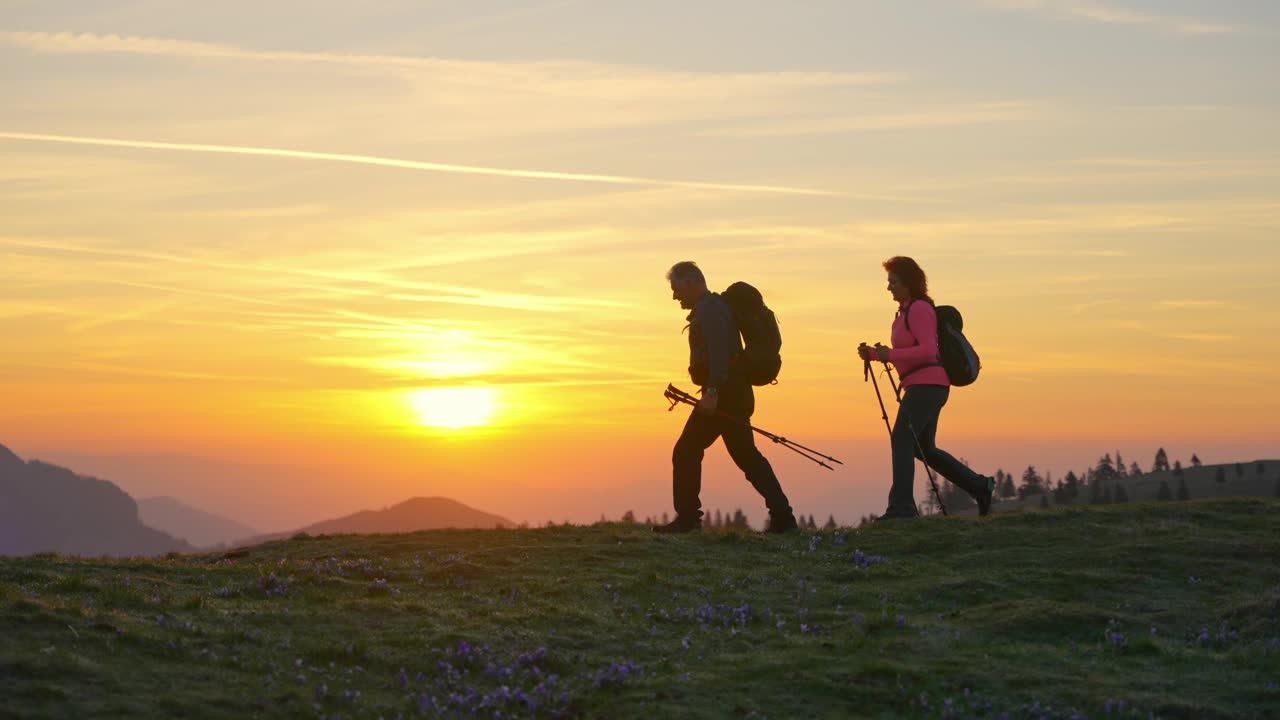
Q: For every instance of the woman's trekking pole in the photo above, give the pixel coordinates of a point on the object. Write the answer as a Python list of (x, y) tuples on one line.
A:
[(867, 372)]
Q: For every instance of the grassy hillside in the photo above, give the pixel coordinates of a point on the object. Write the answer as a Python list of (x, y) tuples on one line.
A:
[(1171, 609), (1256, 478)]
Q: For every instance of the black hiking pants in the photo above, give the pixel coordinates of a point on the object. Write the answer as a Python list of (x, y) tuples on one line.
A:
[(700, 432), (920, 408)]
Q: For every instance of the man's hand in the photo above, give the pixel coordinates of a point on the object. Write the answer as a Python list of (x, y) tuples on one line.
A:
[(707, 405), (882, 353)]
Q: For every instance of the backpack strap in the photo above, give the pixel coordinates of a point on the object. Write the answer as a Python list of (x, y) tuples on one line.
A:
[(906, 317)]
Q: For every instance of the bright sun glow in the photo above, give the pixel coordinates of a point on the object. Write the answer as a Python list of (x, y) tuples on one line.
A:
[(454, 407)]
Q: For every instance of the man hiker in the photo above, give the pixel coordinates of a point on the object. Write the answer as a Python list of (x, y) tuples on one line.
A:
[(724, 410)]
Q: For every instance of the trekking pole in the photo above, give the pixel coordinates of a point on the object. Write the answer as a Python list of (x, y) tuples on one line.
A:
[(677, 396), (867, 372)]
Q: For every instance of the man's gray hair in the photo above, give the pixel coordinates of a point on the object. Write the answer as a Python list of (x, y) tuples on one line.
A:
[(686, 271)]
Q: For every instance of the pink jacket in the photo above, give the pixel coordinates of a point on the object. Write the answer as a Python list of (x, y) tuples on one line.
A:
[(917, 347)]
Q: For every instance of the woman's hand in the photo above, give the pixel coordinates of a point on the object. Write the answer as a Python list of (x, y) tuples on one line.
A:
[(879, 352)]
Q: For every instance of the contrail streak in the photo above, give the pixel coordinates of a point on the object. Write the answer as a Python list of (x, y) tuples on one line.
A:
[(433, 167)]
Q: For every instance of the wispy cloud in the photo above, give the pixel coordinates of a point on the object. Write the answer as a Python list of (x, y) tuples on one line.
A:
[(413, 164), (1190, 304), (348, 282), (975, 114), (553, 77), (1201, 337), (1115, 15), (499, 18), (158, 373)]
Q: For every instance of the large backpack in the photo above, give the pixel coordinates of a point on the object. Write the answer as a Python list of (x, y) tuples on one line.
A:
[(761, 357), (956, 355)]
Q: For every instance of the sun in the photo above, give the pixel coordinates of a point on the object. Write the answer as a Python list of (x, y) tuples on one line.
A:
[(454, 407)]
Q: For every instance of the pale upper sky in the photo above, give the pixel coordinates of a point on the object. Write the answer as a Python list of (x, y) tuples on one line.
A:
[(265, 233)]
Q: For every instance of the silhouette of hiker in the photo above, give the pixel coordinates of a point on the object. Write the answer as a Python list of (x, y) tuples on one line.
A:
[(713, 342), (925, 390)]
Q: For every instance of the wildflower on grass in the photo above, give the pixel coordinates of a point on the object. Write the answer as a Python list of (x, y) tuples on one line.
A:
[(463, 651), (902, 621), (1115, 638), (533, 658), (617, 674), (865, 561)]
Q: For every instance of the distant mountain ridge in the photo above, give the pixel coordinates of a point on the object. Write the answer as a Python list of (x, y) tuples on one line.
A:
[(198, 527), (412, 515), (47, 508)]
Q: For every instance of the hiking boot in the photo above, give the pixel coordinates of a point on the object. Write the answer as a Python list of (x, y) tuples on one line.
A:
[(984, 495), (679, 525), (781, 523), (892, 514)]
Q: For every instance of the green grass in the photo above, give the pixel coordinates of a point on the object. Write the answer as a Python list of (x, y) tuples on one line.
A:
[(1015, 609)]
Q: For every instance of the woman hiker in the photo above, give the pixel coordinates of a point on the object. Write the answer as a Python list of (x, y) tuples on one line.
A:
[(925, 386)]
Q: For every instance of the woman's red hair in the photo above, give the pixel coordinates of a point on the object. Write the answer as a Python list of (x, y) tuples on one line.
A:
[(911, 275)]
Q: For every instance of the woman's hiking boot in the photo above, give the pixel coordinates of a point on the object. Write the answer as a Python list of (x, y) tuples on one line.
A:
[(985, 494), (681, 524), (782, 523), (895, 514)]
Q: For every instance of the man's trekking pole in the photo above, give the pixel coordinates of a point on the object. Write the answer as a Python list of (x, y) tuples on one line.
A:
[(677, 396), (867, 372)]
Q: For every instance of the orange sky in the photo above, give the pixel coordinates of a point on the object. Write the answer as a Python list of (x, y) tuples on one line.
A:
[(238, 265)]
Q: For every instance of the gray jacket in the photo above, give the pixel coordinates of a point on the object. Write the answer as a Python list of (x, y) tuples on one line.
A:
[(713, 341)]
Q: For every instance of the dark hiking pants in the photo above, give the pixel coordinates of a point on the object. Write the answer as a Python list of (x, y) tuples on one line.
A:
[(700, 431), (921, 405)]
